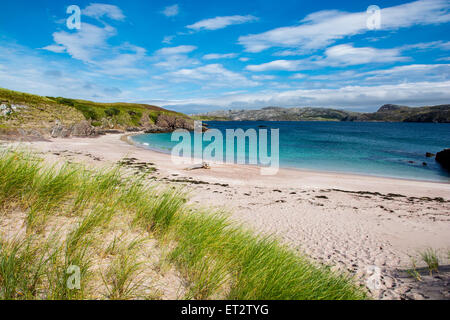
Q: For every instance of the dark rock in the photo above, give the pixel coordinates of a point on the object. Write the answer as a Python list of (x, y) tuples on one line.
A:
[(429, 155), (83, 129), (113, 131), (156, 129), (133, 129), (60, 131), (443, 158), (173, 122), (169, 123)]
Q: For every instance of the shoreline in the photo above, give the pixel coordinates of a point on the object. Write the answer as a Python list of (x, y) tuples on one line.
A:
[(128, 138)]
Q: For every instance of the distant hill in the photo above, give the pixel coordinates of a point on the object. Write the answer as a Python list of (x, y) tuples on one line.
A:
[(23, 113), (387, 113)]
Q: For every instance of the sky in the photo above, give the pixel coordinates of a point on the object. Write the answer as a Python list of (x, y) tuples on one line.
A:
[(200, 56)]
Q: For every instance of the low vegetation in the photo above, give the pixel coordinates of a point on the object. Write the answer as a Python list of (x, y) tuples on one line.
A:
[(430, 260), (64, 219), (430, 257)]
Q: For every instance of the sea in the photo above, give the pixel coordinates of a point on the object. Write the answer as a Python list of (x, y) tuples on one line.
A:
[(396, 150)]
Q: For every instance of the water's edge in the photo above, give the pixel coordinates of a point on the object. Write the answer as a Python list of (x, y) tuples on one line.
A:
[(129, 139)]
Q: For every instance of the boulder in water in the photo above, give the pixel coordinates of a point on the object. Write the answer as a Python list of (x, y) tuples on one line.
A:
[(443, 158)]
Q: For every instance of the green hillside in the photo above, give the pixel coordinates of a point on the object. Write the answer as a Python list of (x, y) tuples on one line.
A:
[(28, 111)]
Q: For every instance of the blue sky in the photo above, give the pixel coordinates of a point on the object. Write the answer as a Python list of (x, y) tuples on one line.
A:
[(197, 56)]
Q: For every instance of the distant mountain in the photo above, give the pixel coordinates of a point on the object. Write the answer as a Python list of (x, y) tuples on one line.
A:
[(387, 113)]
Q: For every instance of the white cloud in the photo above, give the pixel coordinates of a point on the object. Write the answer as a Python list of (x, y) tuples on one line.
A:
[(413, 94), (263, 77), (168, 39), (173, 58), (215, 56), (86, 44), (55, 48), (409, 73), (347, 55), (336, 56), (98, 10), (441, 45), (176, 50), (171, 11), (90, 45), (211, 75), (25, 70), (125, 62), (285, 65), (322, 28), (298, 76), (221, 22), (244, 59)]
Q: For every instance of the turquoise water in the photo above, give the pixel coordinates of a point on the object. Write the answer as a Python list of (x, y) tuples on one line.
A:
[(381, 149)]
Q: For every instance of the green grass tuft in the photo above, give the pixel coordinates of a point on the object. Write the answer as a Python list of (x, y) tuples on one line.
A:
[(218, 258)]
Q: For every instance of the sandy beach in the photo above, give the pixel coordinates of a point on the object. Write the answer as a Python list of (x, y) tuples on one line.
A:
[(350, 222)]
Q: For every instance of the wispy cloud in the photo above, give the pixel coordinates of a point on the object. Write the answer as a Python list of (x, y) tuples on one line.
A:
[(221, 22), (171, 11), (348, 55), (263, 77), (26, 70), (285, 65), (336, 56), (176, 50), (90, 44), (399, 74), (168, 39), (216, 56), (322, 28), (98, 10), (440, 45), (173, 58), (413, 94), (85, 44), (214, 75)]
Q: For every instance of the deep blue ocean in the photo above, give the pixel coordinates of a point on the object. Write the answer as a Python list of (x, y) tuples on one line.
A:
[(370, 148)]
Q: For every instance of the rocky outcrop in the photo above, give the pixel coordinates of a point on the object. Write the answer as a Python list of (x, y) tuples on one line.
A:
[(174, 122), (443, 158), (168, 123), (7, 109), (82, 129)]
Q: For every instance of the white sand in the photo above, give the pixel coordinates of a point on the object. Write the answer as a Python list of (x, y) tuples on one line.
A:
[(350, 230)]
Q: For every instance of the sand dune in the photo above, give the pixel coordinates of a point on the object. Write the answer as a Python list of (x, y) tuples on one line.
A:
[(348, 221)]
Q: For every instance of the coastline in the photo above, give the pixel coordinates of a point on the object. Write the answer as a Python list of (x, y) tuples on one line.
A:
[(288, 171), (347, 221)]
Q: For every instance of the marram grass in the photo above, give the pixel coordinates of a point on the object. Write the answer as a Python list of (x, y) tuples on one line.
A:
[(217, 258)]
